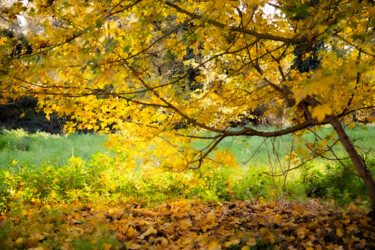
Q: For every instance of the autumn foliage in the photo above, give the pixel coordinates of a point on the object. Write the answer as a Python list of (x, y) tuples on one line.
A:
[(145, 68), (105, 65), (168, 79)]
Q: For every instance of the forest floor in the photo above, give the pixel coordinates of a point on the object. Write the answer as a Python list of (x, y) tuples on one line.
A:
[(187, 224)]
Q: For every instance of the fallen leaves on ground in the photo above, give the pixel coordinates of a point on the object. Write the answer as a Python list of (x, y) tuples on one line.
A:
[(188, 225)]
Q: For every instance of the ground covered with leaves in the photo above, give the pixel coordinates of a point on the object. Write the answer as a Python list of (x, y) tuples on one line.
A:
[(188, 225)]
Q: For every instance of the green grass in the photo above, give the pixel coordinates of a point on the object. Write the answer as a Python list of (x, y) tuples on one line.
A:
[(259, 157), (257, 151), (62, 169), (43, 148)]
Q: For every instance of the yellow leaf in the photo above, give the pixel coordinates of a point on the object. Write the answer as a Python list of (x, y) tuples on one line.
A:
[(231, 243), (185, 224), (35, 201), (20, 240), (163, 241), (214, 245), (280, 101), (339, 232), (131, 233), (3, 40), (302, 232), (251, 242), (324, 143), (320, 112), (107, 246)]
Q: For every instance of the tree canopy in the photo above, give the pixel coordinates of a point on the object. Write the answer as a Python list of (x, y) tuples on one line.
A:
[(164, 74)]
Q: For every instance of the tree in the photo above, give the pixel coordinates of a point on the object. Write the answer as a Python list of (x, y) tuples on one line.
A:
[(96, 61)]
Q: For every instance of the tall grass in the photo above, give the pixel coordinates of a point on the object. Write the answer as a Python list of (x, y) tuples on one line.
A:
[(18, 147)]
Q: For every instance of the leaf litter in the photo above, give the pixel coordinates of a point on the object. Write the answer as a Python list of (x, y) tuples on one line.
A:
[(187, 224)]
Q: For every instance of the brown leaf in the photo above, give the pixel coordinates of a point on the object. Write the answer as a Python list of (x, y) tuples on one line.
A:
[(148, 232)]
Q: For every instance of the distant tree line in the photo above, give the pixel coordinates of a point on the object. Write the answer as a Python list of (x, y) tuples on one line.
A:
[(22, 113)]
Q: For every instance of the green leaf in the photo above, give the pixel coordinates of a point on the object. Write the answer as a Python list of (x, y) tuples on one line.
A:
[(99, 23), (296, 11), (127, 48)]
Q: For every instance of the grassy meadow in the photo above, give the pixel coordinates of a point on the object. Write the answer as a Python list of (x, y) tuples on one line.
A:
[(44, 148), (47, 167), (253, 152)]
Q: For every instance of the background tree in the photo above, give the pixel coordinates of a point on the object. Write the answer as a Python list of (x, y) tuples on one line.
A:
[(97, 61)]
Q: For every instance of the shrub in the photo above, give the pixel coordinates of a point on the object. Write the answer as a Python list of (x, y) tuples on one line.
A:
[(335, 181)]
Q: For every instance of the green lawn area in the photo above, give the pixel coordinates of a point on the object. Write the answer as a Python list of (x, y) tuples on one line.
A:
[(257, 151), (43, 148)]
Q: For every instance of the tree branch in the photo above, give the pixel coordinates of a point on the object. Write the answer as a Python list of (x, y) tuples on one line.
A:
[(237, 29)]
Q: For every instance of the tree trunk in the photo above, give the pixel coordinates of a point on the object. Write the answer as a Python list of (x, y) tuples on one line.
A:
[(357, 160)]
